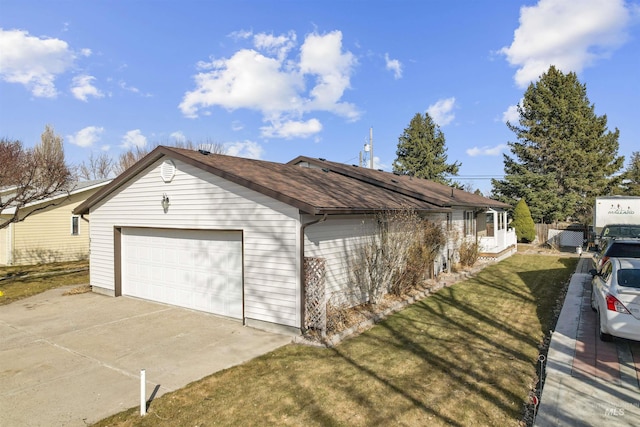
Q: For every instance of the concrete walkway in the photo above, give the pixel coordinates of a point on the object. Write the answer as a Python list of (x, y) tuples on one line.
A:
[(73, 360), (588, 382)]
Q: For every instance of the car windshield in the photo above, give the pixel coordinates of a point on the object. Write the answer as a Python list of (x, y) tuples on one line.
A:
[(621, 231), (624, 250), (629, 278)]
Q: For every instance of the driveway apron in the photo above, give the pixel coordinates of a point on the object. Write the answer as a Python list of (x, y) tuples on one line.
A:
[(73, 360)]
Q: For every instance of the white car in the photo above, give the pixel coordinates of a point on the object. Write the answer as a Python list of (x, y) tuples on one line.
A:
[(615, 296)]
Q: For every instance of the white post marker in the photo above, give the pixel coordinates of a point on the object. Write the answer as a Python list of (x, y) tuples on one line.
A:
[(143, 393)]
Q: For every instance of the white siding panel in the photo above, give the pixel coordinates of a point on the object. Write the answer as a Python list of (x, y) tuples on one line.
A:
[(333, 240), (200, 200)]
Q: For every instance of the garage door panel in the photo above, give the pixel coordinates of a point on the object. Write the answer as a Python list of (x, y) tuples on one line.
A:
[(194, 269)]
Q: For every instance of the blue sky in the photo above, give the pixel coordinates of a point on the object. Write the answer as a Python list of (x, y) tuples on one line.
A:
[(274, 79)]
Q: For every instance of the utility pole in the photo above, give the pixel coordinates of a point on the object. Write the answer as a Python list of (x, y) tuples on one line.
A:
[(371, 147)]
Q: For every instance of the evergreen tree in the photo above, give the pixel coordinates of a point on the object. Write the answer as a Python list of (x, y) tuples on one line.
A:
[(564, 155), (422, 153), (523, 223), (631, 176)]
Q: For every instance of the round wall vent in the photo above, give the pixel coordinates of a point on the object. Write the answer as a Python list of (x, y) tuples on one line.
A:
[(167, 170)]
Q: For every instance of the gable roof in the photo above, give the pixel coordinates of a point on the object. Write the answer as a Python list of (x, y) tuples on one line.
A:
[(75, 188), (432, 192), (313, 191)]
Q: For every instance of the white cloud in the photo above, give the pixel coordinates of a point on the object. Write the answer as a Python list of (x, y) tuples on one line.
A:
[(393, 65), (377, 163), (442, 111), (511, 115), (178, 136), (242, 34), (247, 149), (124, 86), (237, 125), (33, 62), (292, 129), (133, 89), (275, 45), (246, 80), (134, 138), (83, 87), (86, 137), (86, 52), (272, 79), (570, 34), (322, 56), (486, 150)]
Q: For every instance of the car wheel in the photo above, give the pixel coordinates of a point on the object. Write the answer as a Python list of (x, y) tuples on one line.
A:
[(603, 337)]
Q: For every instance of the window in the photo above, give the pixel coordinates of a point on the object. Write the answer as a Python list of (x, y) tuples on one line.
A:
[(75, 225), (629, 278), (469, 223), (490, 226)]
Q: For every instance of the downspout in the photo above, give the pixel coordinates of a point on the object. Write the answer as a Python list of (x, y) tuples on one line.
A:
[(10, 243), (303, 296)]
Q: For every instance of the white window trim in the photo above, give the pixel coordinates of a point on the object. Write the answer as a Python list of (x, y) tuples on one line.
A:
[(469, 223)]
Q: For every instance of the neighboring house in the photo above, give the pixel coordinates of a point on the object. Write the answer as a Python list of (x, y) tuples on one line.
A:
[(230, 236), (51, 234)]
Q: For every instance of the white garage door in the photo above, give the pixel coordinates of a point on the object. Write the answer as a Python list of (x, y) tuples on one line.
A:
[(197, 269)]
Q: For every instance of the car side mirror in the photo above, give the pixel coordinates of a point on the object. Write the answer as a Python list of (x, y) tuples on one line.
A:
[(593, 272)]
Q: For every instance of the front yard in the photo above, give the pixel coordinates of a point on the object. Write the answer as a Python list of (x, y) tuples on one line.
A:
[(18, 282), (465, 355)]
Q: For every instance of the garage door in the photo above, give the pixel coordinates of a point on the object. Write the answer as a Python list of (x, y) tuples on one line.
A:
[(196, 269)]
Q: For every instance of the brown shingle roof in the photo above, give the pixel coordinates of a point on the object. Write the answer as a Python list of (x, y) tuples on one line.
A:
[(422, 189), (312, 191)]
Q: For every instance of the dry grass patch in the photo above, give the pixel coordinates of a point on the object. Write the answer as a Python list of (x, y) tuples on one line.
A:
[(82, 289), (465, 355), (18, 282)]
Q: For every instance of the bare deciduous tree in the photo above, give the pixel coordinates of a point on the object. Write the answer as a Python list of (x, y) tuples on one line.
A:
[(96, 167), (31, 175), (129, 158)]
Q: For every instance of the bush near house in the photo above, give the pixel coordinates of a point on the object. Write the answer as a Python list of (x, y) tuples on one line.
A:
[(523, 223), (399, 255)]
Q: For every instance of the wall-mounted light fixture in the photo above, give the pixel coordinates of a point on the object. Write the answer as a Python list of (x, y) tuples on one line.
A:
[(165, 202)]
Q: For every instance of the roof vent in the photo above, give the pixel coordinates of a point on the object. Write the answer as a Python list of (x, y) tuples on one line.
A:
[(320, 158), (167, 170), (355, 166), (396, 173), (380, 170), (326, 170), (394, 181), (205, 152)]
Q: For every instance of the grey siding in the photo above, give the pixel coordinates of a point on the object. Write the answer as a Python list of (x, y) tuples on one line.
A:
[(200, 200)]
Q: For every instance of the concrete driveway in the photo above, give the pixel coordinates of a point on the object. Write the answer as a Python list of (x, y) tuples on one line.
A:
[(73, 360)]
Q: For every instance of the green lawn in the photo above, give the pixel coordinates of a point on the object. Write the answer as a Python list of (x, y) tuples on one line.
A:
[(18, 282), (463, 356)]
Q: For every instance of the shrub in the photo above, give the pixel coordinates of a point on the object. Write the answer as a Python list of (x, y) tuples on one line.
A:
[(376, 263), (523, 223), (469, 252)]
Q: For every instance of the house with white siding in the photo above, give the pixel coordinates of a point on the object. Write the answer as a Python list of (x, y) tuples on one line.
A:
[(230, 236), (47, 230)]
